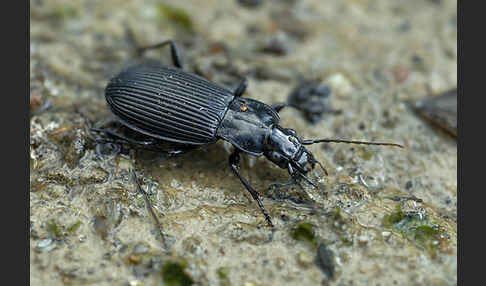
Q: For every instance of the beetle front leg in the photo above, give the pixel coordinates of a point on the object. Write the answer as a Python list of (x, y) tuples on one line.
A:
[(234, 161)]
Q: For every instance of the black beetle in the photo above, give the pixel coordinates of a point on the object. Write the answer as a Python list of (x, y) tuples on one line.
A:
[(169, 104)]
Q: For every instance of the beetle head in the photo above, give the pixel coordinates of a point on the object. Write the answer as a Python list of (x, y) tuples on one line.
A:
[(286, 150)]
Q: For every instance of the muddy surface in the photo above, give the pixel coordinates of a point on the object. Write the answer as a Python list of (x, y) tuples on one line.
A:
[(383, 215)]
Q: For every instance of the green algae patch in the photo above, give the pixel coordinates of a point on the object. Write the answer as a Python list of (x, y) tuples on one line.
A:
[(173, 274), (337, 216), (394, 218), (176, 15), (421, 229), (64, 13), (55, 229), (324, 257), (59, 231), (74, 227), (304, 232), (223, 275), (366, 154)]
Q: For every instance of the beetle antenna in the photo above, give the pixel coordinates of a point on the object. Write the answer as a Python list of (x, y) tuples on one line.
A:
[(313, 141)]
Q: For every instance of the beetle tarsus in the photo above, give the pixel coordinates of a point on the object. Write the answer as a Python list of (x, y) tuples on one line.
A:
[(234, 161)]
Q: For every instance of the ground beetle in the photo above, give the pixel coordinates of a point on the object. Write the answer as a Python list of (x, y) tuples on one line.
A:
[(169, 104)]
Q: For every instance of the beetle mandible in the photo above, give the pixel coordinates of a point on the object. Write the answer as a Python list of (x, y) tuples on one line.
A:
[(169, 104)]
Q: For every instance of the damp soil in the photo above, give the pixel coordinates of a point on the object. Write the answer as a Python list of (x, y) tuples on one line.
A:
[(383, 215)]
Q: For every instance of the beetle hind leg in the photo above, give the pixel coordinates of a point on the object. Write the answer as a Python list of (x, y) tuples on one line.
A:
[(279, 106), (113, 137), (150, 144), (234, 161), (241, 88), (150, 208), (176, 58)]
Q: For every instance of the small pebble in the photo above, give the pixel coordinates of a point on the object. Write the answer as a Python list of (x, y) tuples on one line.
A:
[(140, 248), (400, 73), (312, 99), (124, 164), (135, 283), (340, 84), (325, 260), (386, 234), (363, 240), (440, 110), (45, 244), (276, 46), (304, 259), (250, 3), (134, 259), (175, 184), (408, 185), (279, 262)]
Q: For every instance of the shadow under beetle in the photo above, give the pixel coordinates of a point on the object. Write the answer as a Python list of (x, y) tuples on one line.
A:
[(169, 104)]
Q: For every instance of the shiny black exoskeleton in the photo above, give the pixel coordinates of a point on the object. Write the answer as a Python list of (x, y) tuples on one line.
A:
[(169, 104)]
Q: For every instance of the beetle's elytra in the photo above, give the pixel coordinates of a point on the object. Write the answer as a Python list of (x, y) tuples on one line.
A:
[(169, 104)]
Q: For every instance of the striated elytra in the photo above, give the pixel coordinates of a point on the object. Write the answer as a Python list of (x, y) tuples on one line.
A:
[(170, 104)]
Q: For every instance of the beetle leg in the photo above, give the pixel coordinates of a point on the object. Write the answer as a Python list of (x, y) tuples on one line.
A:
[(120, 139), (299, 172), (180, 150), (234, 161), (241, 88), (176, 59), (314, 161), (291, 182), (151, 144), (277, 186), (279, 106), (307, 180), (149, 206)]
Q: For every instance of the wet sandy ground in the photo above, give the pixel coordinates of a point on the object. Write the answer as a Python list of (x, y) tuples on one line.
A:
[(383, 216)]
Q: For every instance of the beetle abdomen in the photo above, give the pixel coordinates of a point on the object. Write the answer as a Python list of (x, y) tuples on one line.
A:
[(168, 103)]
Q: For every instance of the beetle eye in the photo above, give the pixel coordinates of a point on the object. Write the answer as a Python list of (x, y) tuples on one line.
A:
[(275, 157), (294, 140)]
